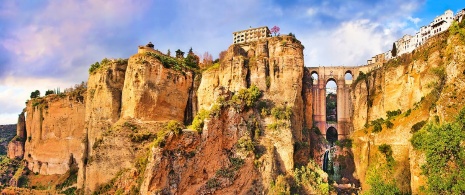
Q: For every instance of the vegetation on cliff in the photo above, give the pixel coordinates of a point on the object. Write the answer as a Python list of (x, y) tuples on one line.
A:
[(104, 63), (445, 155)]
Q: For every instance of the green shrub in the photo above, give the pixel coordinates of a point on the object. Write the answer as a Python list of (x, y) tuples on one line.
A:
[(408, 112), (245, 144), (445, 158), (309, 178), (377, 128), (389, 124), (140, 137), (316, 130), (35, 94), (417, 126), (173, 126), (215, 110), (385, 149), (393, 113), (281, 113), (246, 98), (198, 122), (213, 183), (48, 92), (380, 185), (94, 67)]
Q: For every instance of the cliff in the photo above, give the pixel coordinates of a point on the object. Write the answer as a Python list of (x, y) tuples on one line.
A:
[(16, 146), (250, 149), (426, 85), (54, 126), (245, 125)]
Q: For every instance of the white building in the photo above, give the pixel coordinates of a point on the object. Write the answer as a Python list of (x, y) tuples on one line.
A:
[(252, 34), (408, 43), (459, 15)]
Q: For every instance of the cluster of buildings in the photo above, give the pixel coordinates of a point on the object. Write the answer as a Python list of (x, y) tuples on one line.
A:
[(251, 34), (408, 43)]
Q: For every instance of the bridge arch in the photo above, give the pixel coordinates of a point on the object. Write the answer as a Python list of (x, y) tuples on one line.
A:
[(331, 134), (348, 77), (320, 77), (314, 75)]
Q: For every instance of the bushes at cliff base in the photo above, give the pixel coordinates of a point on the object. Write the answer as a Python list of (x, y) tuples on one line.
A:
[(443, 145)]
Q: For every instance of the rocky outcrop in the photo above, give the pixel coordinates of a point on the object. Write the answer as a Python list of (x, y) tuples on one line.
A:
[(54, 129), (16, 146), (103, 109), (275, 66), (423, 84), (153, 92), (127, 104), (15, 149)]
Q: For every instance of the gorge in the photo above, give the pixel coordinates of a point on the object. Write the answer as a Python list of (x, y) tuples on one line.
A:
[(252, 123)]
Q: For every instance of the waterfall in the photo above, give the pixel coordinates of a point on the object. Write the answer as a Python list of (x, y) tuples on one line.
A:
[(325, 161)]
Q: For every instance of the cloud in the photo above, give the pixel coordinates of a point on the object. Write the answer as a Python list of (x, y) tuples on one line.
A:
[(351, 44), (48, 44), (414, 20), (311, 11)]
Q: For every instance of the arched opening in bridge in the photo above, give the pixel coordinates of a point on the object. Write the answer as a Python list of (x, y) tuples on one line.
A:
[(314, 78), (348, 77), (331, 101), (331, 135)]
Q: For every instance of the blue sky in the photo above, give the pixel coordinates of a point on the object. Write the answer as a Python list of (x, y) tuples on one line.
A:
[(45, 44)]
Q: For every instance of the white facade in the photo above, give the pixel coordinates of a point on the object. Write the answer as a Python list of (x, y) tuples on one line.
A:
[(252, 34), (408, 43), (459, 15)]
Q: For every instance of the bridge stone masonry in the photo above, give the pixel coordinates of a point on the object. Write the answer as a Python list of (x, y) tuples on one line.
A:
[(324, 74)]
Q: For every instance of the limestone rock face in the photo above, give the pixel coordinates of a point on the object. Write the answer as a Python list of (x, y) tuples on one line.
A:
[(152, 92), (16, 147), (426, 83), (188, 161), (103, 109), (275, 66), (54, 126)]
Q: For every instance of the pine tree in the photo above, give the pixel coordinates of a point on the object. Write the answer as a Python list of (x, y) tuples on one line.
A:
[(394, 50)]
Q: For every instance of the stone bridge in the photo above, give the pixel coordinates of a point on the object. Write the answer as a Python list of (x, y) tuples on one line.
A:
[(343, 126)]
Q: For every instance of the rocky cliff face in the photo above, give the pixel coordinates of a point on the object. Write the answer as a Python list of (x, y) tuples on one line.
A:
[(152, 92), (16, 146), (253, 111), (424, 84), (54, 126), (103, 109), (128, 103), (185, 164), (275, 66)]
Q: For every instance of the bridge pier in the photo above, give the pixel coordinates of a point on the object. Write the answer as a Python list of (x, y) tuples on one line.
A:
[(344, 108)]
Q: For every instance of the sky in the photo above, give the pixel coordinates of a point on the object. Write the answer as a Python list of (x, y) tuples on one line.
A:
[(49, 44)]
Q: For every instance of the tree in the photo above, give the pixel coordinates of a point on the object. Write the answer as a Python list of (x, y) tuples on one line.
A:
[(222, 55), (35, 94), (48, 92), (192, 60), (207, 59), (274, 30), (168, 53), (394, 50)]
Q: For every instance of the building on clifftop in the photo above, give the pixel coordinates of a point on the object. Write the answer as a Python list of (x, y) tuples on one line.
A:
[(251, 34)]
